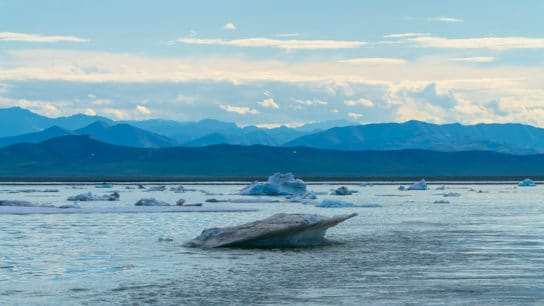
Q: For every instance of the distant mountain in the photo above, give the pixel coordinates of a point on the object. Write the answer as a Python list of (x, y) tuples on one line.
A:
[(79, 157), (16, 121), (125, 135), (36, 137), (209, 132), (119, 134), (507, 138)]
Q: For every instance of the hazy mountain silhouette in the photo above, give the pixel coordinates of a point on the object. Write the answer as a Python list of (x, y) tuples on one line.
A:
[(82, 156)]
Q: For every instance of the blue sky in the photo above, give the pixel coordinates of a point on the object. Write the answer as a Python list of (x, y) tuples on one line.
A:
[(276, 62)]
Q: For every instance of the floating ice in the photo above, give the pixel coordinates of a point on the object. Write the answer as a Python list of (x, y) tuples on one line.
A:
[(452, 194), (150, 202), (327, 203), (441, 202), (527, 183), (156, 188), (365, 184), (421, 185), (114, 196), (310, 195), (277, 184), (178, 189), (402, 188), (16, 203), (104, 185), (441, 187), (43, 209), (342, 191), (277, 231)]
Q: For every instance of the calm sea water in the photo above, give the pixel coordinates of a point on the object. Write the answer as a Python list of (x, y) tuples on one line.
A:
[(481, 248)]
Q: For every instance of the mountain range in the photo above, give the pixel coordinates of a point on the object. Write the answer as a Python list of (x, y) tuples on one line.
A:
[(80, 157), (19, 125)]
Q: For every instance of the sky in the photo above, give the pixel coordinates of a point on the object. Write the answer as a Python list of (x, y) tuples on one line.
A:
[(276, 62)]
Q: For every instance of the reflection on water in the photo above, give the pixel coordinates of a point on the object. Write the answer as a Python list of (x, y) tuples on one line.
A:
[(482, 248)]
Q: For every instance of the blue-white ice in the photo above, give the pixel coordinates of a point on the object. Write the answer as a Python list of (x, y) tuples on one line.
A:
[(277, 184), (527, 183)]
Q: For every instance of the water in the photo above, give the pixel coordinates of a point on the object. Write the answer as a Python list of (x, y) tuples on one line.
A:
[(482, 248)]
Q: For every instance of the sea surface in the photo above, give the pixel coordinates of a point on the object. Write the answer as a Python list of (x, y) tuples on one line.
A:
[(486, 246)]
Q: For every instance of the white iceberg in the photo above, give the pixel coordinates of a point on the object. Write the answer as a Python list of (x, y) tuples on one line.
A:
[(421, 185), (327, 203), (277, 184), (527, 183), (277, 231), (114, 196)]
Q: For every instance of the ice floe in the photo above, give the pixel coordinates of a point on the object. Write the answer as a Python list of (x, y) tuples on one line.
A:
[(342, 191), (277, 184), (278, 231), (441, 202), (89, 196), (49, 209), (327, 203), (150, 202), (156, 188), (452, 194), (527, 183), (104, 185), (421, 185)]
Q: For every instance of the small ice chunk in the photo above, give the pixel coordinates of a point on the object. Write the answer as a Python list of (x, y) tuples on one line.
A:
[(104, 185), (180, 202), (402, 188), (16, 203), (365, 184), (421, 185), (114, 196), (156, 188), (150, 202), (327, 203), (277, 184), (527, 183), (441, 187), (64, 206), (178, 189), (50, 190), (441, 202), (342, 191), (452, 194)]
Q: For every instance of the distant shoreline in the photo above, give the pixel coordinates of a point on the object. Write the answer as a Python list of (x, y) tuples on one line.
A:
[(245, 179)]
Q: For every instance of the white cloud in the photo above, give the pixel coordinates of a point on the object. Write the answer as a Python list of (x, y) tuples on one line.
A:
[(373, 60), (118, 114), (269, 103), (360, 102), (354, 115), (334, 110), (142, 109), (446, 19), (289, 44), (286, 35), (474, 59), (404, 35), (311, 102), (493, 43), (11, 36), (229, 26), (185, 99), (89, 112), (239, 110)]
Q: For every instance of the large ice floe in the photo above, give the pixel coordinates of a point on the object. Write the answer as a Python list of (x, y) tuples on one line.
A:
[(278, 231), (527, 183), (88, 196), (277, 184)]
